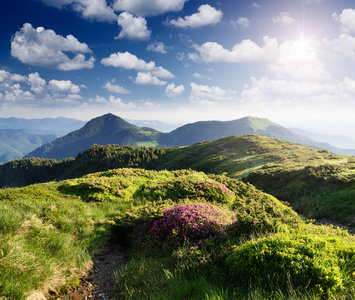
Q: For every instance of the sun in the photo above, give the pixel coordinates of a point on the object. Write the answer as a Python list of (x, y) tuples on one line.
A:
[(303, 45)]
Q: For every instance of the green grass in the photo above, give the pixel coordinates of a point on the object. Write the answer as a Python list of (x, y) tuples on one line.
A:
[(49, 232)]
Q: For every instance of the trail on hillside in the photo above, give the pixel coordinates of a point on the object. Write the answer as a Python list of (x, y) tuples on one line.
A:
[(97, 283)]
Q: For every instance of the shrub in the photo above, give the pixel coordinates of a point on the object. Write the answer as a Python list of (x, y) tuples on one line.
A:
[(214, 191), (195, 224), (287, 262), (188, 186)]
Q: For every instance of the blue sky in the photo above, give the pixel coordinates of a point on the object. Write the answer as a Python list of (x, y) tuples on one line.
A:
[(180, 61)]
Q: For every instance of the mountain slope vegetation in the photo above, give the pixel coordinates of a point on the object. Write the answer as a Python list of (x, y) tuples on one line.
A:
[(317, 183), (186, 231)]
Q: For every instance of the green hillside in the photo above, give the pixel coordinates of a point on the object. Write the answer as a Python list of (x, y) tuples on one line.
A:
[(316, 183), (189, 236)]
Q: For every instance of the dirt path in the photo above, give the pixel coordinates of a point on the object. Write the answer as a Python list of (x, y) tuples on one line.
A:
[(98, 283)]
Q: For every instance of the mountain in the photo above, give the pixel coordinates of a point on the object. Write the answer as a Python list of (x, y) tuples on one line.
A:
[(335, 140), (110, 129), (15, 143), (104, 130), (58, 126), (210, 130)]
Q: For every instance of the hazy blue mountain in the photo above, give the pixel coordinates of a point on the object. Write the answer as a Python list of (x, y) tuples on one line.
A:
[(335, 140), (58, 126), (15, 143)]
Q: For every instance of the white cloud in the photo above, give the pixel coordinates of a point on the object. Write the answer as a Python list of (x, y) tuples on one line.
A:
[(256, 5), (266, 90), (44, 48), (297, 61), (206, 15), (347, 19), (133, 28), (241, 22), (158, 47), (89, 9), (115, 88), (63, 86), (246, 51), (131, 62), (148, 8), (148, 79), (200, 76), (172, 90), (345, 44), (214, 93), (38, 84), (312, 1), (9, 78), (112, 101), (284, 18)]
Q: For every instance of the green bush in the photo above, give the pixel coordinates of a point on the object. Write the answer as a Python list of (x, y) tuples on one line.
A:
[(288, 262)]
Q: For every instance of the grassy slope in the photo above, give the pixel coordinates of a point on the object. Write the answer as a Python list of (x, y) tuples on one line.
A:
[(49, 231), (317, 184)]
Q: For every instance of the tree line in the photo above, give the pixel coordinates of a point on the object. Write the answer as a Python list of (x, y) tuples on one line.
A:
[(98, 158)]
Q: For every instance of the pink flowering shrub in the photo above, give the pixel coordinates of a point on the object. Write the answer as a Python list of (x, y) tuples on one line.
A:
[(197, 224)]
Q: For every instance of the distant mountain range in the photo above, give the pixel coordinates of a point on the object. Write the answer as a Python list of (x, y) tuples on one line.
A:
[(111, 129), (20, 136), (15, 143), (57, 126), (335, 140)]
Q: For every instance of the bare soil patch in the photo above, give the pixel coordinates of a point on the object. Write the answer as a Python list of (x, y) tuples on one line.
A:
[(97, 283)]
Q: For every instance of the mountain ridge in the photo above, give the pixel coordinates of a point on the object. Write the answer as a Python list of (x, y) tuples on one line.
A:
[(111, 129)]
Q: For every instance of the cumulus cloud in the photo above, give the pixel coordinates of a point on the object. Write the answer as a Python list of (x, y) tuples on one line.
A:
[(172, 90), (206, 15), (347, 19), (115, 88), (241, 22), (312, 1), (158, 47), (112, 101), (44, 48), (284, 18), (18, 88), (211, 93), (256, 5), (133, 28), (38, 84), (63, 86), (246, 51), (344, 44), (297, 61), (148, 79), (148, 8), (266, 89), (200, 76), (89, 9), (129, 61)]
